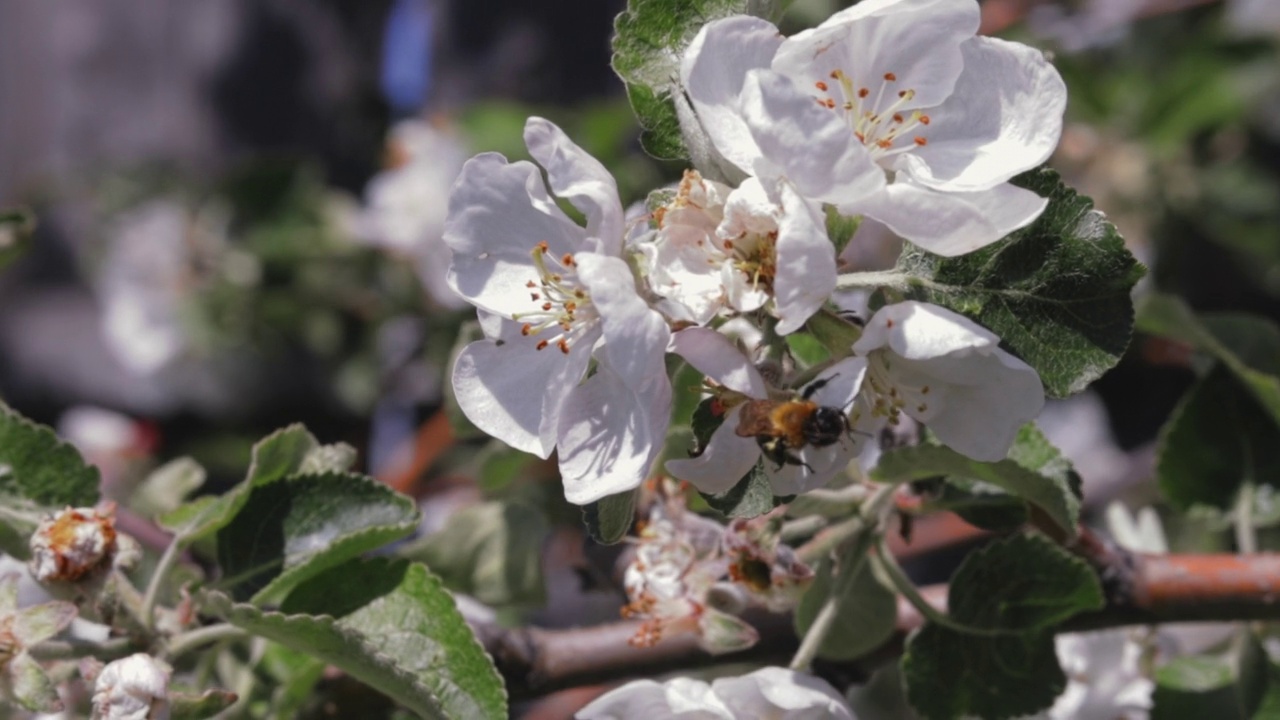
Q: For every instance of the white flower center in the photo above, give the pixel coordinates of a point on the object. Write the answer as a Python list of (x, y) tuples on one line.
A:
[(878, 118), (884, 395), (562, 302)]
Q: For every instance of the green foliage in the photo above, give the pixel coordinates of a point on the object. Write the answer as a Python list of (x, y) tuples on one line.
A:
[(167, 486), (750, 497), (1011, 594), (649, 40), (608, 519), (1248, 346), (1218, 438), (290, 529), (1229, 685), (390, 624), (1056, 291), (1034, 471), (491, 551), (38, 474), (16, 227), (191, 706), (865, 608)]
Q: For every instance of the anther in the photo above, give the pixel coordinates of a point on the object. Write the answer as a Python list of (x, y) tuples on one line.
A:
[(821, 86), (921, 141), (890, 77)]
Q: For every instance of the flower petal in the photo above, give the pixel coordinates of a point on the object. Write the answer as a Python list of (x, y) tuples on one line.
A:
[(610, 433), (514, 392), (916, 40), (1004, 117), (811, 145), (636, 336), (806, 265), (715, 356), (950, 223), (781, 693), (726, 459), (713, 70), (498, 212), (579, 178), (680, 698), (922, 331)]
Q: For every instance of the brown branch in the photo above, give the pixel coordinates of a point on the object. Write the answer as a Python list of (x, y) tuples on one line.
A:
[(1141, 589)]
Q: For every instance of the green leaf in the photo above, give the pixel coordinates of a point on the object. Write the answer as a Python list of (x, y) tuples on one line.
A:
[(1230, 685), (609, 518), (16, 227), (1217, 439), (950, 674), (1021, 583), (185, 706), (750, 497), (1056, 291), (167, 486), (291, 529), (982, 505), (1034, 471), (1248, 346), (491, 551), (649, 39), (865, 609), (840, 228), (389, 624), (283, 452), (38, 474)]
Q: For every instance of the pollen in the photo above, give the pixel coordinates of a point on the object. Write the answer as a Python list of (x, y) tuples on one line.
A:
[(921, 142), (821, 86)]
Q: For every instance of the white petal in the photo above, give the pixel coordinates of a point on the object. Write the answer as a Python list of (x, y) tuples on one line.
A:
[(726, 459), (916, 40), (713, 70), (610, 433), (809, 143), (680, 270), (682, 698), (1004, 117), (951, 223), (514, 392), (579, 178), (498, 212), (635, 335), (715, 356), (921, 331), (806, 265), (780, 693)]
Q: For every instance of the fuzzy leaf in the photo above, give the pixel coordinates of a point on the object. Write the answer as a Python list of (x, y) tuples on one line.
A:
[(491, 551), (389, 624), (1034, 471), (950, 674), (293, 528), (1056, 291), (609, 518), (1217, 439), (38, 474), (865, 615), (649, 39)]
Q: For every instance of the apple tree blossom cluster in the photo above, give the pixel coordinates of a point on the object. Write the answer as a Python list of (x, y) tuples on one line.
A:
[(892, 112)]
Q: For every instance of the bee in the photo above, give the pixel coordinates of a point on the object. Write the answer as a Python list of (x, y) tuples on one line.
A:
[(782, 428)]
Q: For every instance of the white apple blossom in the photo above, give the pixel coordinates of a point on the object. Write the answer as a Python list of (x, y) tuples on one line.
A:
[(1104, 678), (552, 297), (407, 203), (771, 693), (718, 249), (728, 457), (948, 372), (132, 688), (892, 109)]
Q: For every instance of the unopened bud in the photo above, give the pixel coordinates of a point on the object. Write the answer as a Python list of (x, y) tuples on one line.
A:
[(72, 543), (132, 688)]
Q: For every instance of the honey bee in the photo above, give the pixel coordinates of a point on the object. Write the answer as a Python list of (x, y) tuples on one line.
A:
[(783, 427)]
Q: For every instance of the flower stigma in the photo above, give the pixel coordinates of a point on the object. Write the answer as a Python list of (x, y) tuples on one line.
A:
[(562, 301)]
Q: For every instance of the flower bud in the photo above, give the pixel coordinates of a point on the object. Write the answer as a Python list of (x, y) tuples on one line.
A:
[(72, 543), (132, 688)]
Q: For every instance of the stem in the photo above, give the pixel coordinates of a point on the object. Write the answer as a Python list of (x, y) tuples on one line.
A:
[(871, 514), (884, 561), (801, 528), (808, 649), (72, 649), (876, 279), (188, 641), (158, 577), (1246, 533)]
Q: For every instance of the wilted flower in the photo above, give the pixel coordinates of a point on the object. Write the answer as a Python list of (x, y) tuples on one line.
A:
[(774, 693), (73, 543), (132, 688)]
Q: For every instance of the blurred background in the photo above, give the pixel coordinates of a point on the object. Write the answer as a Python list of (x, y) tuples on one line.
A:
[(225, 216)]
